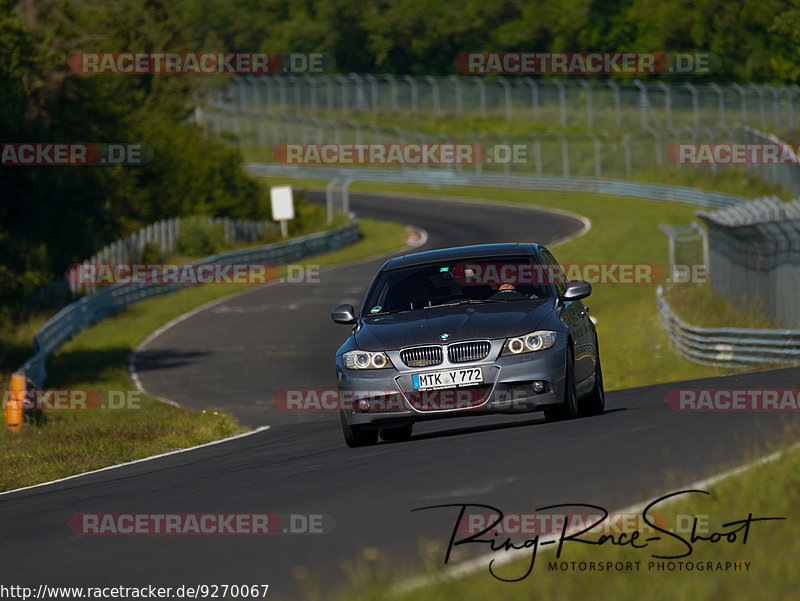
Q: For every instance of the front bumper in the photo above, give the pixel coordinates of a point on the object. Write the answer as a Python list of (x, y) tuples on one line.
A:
[(508, 388)]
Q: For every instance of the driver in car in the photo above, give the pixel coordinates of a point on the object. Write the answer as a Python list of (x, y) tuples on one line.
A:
[(506, 292)]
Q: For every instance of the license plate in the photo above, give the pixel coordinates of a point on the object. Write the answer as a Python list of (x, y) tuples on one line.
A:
[(447, 379)]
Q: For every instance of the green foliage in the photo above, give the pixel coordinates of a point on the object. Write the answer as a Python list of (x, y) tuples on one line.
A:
[(151, 253), (199, 237), (52, 216)]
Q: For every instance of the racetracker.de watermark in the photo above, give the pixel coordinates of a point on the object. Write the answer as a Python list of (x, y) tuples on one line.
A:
[(185, 274), (77, 153), (496, 273), (200, 523), (199, 63), (74, 399), (768, 153), (379, 154), (585, 63), (543, 523), (378, 400), (719, 399)]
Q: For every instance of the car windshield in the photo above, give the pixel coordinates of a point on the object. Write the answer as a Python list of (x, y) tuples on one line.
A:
[(462, 282)]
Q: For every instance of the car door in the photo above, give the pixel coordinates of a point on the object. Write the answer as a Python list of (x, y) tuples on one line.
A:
[(575, 316)]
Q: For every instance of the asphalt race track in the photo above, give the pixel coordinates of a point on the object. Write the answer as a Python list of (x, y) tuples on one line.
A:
[(238, 353)]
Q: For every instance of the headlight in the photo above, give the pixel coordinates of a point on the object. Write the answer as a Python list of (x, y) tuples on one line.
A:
[(535, 341), (365, 360)]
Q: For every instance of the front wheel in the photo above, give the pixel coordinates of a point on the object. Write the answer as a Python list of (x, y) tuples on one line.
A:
[(357, 436), (569, 408), (595, 403)]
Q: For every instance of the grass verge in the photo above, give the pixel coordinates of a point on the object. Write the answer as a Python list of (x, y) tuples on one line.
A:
[(71, 442), (699, 306)]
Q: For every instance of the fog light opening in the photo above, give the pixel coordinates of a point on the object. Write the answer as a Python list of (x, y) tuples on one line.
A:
[(538, 387), (364, 405)]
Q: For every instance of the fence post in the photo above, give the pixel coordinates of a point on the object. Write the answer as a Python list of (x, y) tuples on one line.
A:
[(657, 138), (376, 132), (711, 140), (695, 104), (346, 195), (343, 83), (281, 93), (627, 153), (481, 93), (414, 91), (373, 90), (537, 154), (312, 92), (617, 110), (457, 89), (760, 94), (721, 100), (328, 92), (564, 154), (596, 144), (336, 137), (644, 102), (562, 100), (667, 102), (329, 196), (589, 105), (357, 129), (435, 87), (775, 109), (534, 97), (392, 90), (478, 164), (507, 96)]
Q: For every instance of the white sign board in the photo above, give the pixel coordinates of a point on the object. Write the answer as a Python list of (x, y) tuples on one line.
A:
[(282, 203)]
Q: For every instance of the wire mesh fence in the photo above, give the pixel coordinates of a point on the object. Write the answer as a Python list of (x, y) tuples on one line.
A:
[(609, 154), (588, 102), (754, 250)]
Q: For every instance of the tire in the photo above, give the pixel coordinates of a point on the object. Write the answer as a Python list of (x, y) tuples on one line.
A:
[(595, 403), (356, 436), (397, 434), (569, 408)]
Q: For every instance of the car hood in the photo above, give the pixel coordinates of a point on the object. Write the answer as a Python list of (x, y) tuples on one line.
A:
[(468, 322)]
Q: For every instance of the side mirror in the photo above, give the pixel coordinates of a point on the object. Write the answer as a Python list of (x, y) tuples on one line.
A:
[(344, 314), (576, 290)]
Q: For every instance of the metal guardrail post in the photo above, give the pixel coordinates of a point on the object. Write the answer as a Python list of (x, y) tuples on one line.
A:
[(346, 195), (329, 197)]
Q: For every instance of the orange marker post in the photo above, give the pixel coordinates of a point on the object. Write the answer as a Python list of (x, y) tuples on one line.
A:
[(14, 403)]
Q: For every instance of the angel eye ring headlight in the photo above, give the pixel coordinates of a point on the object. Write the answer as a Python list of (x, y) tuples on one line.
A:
[(515, 346), (535, 341), (366, 360)]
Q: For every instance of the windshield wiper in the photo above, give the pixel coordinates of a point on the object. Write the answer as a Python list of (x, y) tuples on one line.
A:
[(389, 312), (466, 301)]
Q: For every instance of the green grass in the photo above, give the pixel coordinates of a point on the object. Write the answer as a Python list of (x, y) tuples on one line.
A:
[(699, 306), (71, 442), (772, 549)]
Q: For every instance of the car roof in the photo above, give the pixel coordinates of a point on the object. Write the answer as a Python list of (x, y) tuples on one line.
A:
[(473, 251)]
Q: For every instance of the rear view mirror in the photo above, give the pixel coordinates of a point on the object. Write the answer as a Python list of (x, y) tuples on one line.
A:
[(577, 289), (344, 314)]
